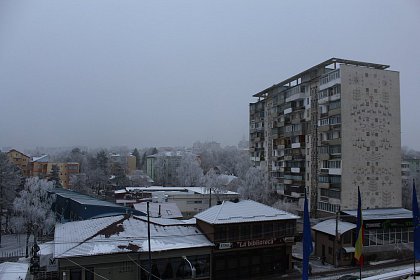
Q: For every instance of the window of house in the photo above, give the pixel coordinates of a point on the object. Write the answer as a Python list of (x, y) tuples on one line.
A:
[(257, 231), (89, 273), (245, 231), (75, 274)]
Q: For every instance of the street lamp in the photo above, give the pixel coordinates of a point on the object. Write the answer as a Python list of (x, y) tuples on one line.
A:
[(193, 271)]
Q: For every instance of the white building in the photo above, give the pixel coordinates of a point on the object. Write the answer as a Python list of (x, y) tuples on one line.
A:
[(190, 200)]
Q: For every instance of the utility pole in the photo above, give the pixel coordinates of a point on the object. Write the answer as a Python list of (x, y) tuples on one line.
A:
[(336, 239), (148, 242)]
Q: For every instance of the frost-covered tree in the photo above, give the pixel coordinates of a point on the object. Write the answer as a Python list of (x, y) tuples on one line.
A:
[(211, 180), (78, 183), (161, 170), (189, 172), (139, 178), (33, 208), (256, 186), (10, 178)]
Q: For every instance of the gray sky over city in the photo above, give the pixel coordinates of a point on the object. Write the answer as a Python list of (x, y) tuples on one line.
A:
[(101, 73)]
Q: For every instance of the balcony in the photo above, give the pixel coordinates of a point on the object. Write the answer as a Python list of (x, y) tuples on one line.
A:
[(334, 171), (287, 111), (295, 145), (295, 170)]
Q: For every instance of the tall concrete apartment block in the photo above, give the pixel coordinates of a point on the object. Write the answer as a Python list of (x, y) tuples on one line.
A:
[(327, 131)]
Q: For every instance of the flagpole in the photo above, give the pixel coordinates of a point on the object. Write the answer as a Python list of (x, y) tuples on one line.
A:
[(416, 241), (358, 254)]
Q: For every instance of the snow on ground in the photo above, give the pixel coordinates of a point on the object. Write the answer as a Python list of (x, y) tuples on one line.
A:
[(14, 245), (13, 271)]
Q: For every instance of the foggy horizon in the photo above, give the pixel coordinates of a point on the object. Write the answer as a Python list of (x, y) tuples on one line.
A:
[(157, 74)]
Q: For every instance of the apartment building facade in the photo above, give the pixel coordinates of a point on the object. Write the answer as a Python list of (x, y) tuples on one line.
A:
[(328, 130)]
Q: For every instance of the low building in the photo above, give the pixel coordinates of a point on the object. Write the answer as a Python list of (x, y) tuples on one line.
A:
[(388, 234), (251, 239), (167, 210), (73, 206), (117, 248), (190, 200), (338, 251)]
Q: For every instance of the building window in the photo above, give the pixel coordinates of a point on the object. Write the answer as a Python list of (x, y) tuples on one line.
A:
[(245, 232), (89, 273), (257, 231)]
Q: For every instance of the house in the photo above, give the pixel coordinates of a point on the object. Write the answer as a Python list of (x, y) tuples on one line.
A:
[(251, 239), (117, 248), (338, 251)]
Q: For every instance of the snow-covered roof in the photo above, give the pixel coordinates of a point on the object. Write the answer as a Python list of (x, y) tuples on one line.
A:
[(13, 271), (227, 178), (167, 209), (328, 226), (168, 222), (154, 189), (383, 213), (83, 199), (242, 212), (203, 190), (120, 191), (43, 158), (122, 234)]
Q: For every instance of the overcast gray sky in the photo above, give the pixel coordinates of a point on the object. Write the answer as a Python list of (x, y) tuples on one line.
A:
[(167, 73)]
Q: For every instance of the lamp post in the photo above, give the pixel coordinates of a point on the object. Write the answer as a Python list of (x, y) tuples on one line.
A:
[(193, 270)]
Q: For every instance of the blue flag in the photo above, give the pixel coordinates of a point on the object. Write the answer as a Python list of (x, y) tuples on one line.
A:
[(307, 241), (416, 224)]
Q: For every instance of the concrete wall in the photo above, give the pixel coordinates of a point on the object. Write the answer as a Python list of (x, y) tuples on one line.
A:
[(371, 137)]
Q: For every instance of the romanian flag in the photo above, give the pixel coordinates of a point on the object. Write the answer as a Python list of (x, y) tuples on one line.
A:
[(359, 231)]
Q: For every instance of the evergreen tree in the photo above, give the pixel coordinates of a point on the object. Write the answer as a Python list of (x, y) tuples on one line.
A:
[(55, 175), (102, 161), (138, 158)]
